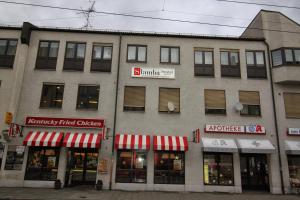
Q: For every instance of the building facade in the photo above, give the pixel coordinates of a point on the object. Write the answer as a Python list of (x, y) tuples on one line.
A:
[(141, 111)]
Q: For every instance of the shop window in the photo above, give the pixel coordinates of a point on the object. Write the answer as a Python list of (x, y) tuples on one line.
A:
[(169, 167), (101, 59), (170, 55), (134, 98), (42, 164), (1, 153), (8, 48), (292, 105), (218, 169), (251, 103), (14, 157), (131, 166), (203, 62), (256, 67), (88, 97), (169, 100), (136, 53), (74, 57), (47, 55), (52, 96), (230, 64), (215, 102), (286, 56), (294, 170)]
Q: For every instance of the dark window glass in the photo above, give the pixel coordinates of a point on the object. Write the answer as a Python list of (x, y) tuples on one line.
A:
[(47, 55), (277, 57), (169, 167), (286, 56), (294, 170), (14, 158), (251, 103), (203, 63), (101, 59), (218, 169), (230, 64), (256, 64), (137, 53), (74, 57), (131, 166), (88, 97), (169, 55), (7, 52), (3, 45), (12, 47), (52, 96), (42, 164)]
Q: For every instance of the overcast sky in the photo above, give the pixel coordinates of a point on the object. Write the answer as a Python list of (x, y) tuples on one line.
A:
[(211, 11)]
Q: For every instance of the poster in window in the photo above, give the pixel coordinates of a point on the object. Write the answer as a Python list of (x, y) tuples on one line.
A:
[(139, 163), (51, 162), (177, 165), (102, 166)]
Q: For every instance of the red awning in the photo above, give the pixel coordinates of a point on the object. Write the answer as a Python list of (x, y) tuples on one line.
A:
[(43, 139), (125, 141), (170, 143), (82, 140)]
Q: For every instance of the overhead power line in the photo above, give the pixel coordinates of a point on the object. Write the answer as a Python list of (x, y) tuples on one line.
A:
[(260, 4), (148, 17)]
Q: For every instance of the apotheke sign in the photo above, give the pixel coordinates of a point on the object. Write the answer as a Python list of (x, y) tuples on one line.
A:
[(64, 122), (248, 129), (145, 72), (294, 131)]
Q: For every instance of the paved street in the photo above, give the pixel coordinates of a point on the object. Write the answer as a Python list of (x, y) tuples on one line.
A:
[(83, 193)]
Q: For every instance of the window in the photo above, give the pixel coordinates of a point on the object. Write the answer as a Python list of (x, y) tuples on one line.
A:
[(74, 57), (14, 157), (292, 105), (131, 166), (88, 97), (136, 53), (286, 56), (215, 102), (52, 96), (294, 170), (203, 62), (134, 98), (169, 167), (169, 100), (101, 59), (1, 153), (169, 55), (8, 50), (230, 64), (42, 164), (218, 169), (251, 103), (277, 58), (47, 55), (256, 64)]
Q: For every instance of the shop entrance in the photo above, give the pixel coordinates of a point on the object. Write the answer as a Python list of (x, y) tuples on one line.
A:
[(82, 167), (254, 172)]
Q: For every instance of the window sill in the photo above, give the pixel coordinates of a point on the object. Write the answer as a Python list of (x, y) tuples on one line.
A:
[(135, 61), (72, 70), (87, 109), (168, 63), (44, 69), (205, 184), (244, 115), (6, 67), (168, 112), (55, 108)]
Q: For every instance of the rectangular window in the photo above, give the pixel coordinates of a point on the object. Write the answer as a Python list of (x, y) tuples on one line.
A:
[(215, 102), (74, 56), (134, 98), (230, 64), (42, 164), (102, 57), (52, 95), (131, 166), (88, 97), (14, 158), (292, 105), (218, 169), (294, 170), (136, 53), (169, 55), (1, 153), (169, 100), (277, 57), (286, 56), (8, 48), (47, 55), (169, 167), (203, 62), (251, 103)]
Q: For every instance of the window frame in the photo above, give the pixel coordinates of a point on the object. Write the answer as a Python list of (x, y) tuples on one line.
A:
[(136, 60), (134, 108), (221, 114), (283, 57), (291, 156), (52, 84), (105, 64), (169, 55), (16, 166), (229, 60), (47, 57), (75, 58), (249, 115), (204, 66), (5, 56), (255, 60), (284, 104), (169, 112), (88, 85)]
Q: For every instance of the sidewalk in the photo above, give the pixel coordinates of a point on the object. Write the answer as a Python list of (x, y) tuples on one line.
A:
[(84, 193)]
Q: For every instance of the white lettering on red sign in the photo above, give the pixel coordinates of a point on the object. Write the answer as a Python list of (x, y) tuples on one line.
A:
[(143, 72)]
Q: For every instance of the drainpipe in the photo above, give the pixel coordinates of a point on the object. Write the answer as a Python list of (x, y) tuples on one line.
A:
[(115, 114), (275, 118)]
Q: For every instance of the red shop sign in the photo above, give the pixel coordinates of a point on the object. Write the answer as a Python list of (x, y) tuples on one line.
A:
[(64, 122), (248, 129)]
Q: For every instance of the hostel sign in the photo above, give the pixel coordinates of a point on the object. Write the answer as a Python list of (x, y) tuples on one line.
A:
[(146, 72), (64, 122), (235, 129)]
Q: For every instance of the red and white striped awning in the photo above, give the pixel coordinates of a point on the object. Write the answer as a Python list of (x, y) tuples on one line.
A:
[(43, 139), (170, 143), (125, 141), (82, 140)]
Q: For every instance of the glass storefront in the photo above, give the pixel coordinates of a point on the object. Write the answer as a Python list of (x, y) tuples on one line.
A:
[(131, 166), (294, 170), (218, 169), (169, 167), (42, 163)]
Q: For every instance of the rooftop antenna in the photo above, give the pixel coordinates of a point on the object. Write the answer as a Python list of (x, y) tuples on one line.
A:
[(87, 14)]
